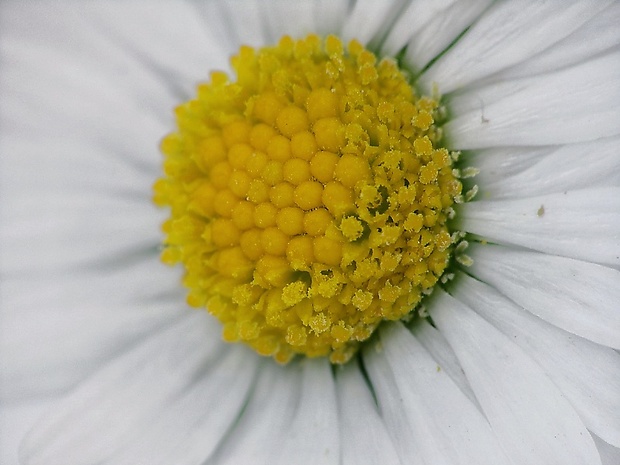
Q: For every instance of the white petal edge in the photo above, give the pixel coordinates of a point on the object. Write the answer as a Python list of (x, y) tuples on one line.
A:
[(190, 426), (145, 32), (579, 297), (370, 20), (330, 16), (486, 48), (588, 374), (55, 337), (16, 420), (581, 224), (236, 24), (442, 353), (497, 163), (426, 29), (596, 36), (265, 420), (103, 413), (567, 167), (364, 439), (278, 17), (439, 33), (610, 455), (570, 105), (414, 17), (390, 402), (450, 429), (533, 421), (312, 435)]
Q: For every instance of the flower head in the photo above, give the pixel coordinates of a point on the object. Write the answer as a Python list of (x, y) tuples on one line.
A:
[(517, 360)]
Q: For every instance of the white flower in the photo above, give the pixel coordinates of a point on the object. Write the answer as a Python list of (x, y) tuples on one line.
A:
[(522, 364)]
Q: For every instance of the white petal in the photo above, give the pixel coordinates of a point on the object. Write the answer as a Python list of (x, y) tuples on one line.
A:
[(312, 435), (190, 425), (574, 104), (330, 16), (533, 421), (441, 31), (498, 163), (596, 36), (580, 297), (582, 224), (568, 167), (364, 439), (278, 18), (145, 31), (587, 373), (109, 409), (369, 20), (16, 420), (610, 455), (66, 231), (236, 24), (426, 29), (390, 401), (67, 327), (486, 48), (409, 22), (290, 418), (450, 429), (440, 350), (120, 50), (265, 418), (83, 196)]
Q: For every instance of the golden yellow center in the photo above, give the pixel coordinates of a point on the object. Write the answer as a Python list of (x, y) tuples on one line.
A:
[(308, 198)]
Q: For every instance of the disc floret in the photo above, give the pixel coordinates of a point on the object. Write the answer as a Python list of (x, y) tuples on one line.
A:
[(308, 199)]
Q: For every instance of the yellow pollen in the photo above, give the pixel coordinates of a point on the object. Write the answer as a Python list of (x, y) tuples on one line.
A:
[(308, 199)]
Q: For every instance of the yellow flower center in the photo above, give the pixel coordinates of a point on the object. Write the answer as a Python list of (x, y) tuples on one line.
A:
[(308, 199)]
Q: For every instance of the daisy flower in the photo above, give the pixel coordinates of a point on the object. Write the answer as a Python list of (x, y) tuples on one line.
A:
[(498, 233)]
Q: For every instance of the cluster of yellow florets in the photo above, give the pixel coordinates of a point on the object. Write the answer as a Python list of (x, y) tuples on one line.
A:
[(308, 201)]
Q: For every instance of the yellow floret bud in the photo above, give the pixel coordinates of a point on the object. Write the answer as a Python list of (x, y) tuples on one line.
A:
[(323, 165), (338, 199), (303, 145), (265, 215), (224, 233), (239, 154), (282, 195), (260, 135), (258, 191), (236, 132), (329, 134), (251, 244), (267, 107), (274, 241), (308, 195), (211, 151), (322, 103), (243, 215), (327, 251), (300, 252), (279, 148), (296, 171), (290, 220), (220, 174), (225, 202), (352, 169), (292, 120), (256, 163)]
